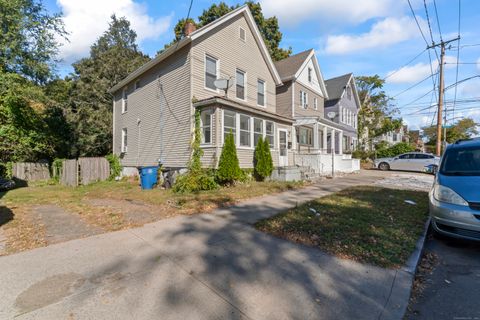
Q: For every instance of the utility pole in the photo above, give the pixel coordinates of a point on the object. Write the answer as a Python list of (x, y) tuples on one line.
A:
[(441, 90)]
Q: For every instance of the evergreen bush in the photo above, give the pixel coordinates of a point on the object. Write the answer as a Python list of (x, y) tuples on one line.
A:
[(228, 167), (263, 162)]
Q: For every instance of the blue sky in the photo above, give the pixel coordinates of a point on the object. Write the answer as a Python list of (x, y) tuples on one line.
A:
[(365, 37)]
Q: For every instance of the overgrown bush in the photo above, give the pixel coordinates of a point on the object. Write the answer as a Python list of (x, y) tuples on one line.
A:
[(263, 162), (363, 154), (6, 170), (246, 176), (395, 150), (115, 166), (196, 179), (228, 167), (57, 166)]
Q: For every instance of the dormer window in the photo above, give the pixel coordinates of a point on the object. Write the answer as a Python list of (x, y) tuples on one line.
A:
[(243, 35), (310, 75)]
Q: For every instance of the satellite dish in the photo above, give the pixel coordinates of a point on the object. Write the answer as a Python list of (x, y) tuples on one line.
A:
[(331, 114), (222, 84)]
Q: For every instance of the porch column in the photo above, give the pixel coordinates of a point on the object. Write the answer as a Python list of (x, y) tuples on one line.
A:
[(332, 141), (294, 138), (316, 141), (325, 141), (340, 142)]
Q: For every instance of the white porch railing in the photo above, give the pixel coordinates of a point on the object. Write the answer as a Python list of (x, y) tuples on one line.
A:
[(321, 162)]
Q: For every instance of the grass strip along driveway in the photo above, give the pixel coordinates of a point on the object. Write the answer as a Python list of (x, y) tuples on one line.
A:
[(367, 224)]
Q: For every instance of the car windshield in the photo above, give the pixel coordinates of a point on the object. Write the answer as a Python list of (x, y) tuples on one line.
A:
[(461, 162)]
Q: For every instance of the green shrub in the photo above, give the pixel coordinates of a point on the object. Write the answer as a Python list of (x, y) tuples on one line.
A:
[(246, 176), (228, 167), (6, 170), (196, 179), (395, 150), (201, 181), (115, 166), (263, 162), (362, 154)]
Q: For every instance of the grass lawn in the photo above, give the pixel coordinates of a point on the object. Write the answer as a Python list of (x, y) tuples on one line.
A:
[(24, 232), (367, 224)]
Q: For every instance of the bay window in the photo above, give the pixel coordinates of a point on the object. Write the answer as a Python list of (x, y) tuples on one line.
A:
[(206, 126), (229, 124), (245, 131)]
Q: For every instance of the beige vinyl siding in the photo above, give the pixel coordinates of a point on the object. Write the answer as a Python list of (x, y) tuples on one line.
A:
[(310, 111), (284, 99), (224, 44), (165, 115)]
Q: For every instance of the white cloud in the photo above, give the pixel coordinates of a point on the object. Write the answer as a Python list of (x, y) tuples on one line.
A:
[(386, 32), (341, 11), (86, 20), (417, 72)]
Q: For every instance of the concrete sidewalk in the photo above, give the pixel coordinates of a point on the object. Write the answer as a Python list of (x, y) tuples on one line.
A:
[(211, 266)]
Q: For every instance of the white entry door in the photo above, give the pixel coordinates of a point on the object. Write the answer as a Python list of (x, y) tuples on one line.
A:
[(282, 148)]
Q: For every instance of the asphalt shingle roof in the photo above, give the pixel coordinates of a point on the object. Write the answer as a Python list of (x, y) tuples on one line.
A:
[(288, 67), (335, 86)]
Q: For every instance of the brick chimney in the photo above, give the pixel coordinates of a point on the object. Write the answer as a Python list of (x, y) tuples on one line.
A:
[(189, 28)]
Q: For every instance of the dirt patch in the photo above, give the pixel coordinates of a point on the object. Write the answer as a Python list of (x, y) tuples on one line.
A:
[(425, 268), (61, 225), (133, 212)]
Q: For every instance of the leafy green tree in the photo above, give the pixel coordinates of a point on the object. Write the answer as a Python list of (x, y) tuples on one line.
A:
[(377, 110), (268, 27), (228, 167), (112, 58), (395, 150), (28, 43), (263, 163), (462, 129)]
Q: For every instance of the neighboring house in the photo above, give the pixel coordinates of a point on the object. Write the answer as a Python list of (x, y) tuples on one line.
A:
[(154, 106), (415, 137), (393, 137), (302, 96), (344, 101)]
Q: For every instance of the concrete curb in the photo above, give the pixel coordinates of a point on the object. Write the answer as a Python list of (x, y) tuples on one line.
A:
[(396, 306)]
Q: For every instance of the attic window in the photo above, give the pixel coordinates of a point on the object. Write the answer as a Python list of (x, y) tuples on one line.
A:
[(242, 34), (309, 74), (349, 93)]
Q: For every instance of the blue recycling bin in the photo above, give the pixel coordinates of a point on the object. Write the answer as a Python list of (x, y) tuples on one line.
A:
[(148, 177)]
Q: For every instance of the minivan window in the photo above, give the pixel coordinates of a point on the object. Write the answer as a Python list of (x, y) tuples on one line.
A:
[(461, 162)]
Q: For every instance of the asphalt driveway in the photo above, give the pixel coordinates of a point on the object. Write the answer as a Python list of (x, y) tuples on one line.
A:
[(452, 289)]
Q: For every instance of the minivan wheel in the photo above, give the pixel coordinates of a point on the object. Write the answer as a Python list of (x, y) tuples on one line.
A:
[(384, 166)]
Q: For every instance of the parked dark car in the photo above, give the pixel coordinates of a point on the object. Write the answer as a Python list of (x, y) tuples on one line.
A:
[(455, 196), (6, 184)]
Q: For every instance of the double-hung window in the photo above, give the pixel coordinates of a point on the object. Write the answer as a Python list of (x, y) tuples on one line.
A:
[(206, 126), (257, 130), (315, 103), (303, 99), (269, 133), (245, 131), (229, 124), (240, 84), (310, 75), (124, 140), (210, 72), (261, 92), (124, 101)]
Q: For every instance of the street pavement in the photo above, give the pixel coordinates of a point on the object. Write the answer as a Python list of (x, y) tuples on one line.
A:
[(453, 288), (206, 266)]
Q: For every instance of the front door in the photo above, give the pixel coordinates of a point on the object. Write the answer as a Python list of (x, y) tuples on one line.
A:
[(282, 148)]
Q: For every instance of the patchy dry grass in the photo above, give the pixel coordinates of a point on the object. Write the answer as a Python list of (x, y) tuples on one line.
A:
[(23, 232), (367, 224)]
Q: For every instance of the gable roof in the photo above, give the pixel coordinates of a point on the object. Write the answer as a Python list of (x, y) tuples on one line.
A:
[(336, 86), (336, 89), (200, 32), (290, 68)]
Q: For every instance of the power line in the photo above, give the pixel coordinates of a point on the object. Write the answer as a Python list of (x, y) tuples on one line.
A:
[(416, 20), (458, 57), (413, 86), (406, 64), (438, 20), (430, 28)]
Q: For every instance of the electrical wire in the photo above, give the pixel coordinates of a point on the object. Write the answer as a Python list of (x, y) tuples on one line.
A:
[(418, 24), (406, 64), (430, 29), (413, 86)]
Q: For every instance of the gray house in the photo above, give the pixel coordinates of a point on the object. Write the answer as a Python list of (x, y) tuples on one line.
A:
[(344, 101), (154, 107)]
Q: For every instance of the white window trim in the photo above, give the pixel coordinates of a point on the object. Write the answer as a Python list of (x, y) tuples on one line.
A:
[(244, 84), (124, 148), (264, 93), (273, 132), (315, 103), (309, 75), (124, 100), (239, 129), (211, 128), (240, 34), (205, 71)]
